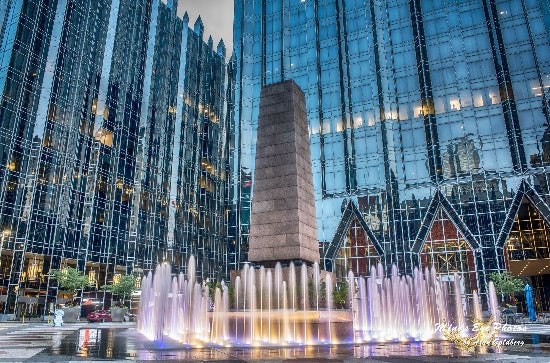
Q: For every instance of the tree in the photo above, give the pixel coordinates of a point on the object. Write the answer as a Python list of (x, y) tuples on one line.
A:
[(70, 279), (340, 296), (125, 286), (506, 284), (212, 285)]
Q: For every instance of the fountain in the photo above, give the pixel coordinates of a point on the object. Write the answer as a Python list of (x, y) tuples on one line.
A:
[(266, 311)]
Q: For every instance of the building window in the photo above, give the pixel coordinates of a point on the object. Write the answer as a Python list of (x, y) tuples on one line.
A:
[(357, 254), (447, 250)]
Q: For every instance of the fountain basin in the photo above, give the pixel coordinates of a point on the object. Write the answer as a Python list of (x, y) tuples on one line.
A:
[(286, 307)]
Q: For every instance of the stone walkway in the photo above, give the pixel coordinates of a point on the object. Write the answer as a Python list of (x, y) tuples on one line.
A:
[(21, 342), (542, 329), (41, 342)]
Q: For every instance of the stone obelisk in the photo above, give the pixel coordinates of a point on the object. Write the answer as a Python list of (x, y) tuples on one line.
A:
[(283, 224)]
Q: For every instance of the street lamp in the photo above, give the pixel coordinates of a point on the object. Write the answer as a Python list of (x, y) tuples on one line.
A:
[(4, 234)]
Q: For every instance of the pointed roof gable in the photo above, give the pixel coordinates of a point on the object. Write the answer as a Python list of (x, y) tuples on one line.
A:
[(440, 201), (350, 213), (527, 191)]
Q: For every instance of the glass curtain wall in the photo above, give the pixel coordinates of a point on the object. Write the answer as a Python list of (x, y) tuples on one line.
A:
[(112, 144), (408, 101)]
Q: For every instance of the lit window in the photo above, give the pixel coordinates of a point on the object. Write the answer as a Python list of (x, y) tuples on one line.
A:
[(455, 104), (358, 122), (478, 99), (105, 137)]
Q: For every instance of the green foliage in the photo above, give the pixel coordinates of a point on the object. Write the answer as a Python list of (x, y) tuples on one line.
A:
[(124, 287), (70, 279), (506, 284), (212, 285), (340, 296), (323, 294), (231, 292)]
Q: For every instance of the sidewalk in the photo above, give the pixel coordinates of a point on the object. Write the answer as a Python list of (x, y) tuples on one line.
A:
[(20, 341), (540, 329)]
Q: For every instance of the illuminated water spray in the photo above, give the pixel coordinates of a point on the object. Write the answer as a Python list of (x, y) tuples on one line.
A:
[(278, 307)]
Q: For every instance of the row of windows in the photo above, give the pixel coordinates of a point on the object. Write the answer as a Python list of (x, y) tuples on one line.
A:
[(458, 87), (99, 177)]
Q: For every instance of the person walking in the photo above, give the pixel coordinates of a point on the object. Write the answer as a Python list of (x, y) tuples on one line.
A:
[(58, 317)]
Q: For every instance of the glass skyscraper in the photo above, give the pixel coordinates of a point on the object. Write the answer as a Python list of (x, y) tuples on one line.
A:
[(429, 126), (113, 151)]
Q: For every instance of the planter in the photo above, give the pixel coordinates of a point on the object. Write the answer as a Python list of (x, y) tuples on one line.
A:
[(72, 315), (117, 314)]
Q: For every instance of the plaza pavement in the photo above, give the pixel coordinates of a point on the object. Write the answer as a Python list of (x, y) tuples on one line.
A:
[(541, 329), (41, 342), (21, 342)]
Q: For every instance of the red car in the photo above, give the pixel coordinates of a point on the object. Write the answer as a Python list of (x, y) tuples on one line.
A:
[(99, 316)]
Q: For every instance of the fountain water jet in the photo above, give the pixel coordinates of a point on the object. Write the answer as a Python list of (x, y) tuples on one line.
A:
[(493, 302), (477, 306), (266, 309)]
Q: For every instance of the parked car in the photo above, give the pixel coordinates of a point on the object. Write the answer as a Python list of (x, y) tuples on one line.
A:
[(99, 316)]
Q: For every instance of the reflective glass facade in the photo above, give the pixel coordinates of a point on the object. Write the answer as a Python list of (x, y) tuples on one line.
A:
[(431, 116), (113, 150)]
